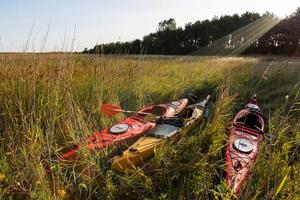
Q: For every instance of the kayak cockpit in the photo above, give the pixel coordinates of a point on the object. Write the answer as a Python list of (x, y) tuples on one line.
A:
[(155, 110), (252, 121), (188, 113)]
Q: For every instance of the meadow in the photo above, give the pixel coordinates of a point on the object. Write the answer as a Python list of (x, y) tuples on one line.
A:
[(48, 102)]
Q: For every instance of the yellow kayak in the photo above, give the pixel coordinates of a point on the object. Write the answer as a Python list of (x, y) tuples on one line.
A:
[(144, 148)]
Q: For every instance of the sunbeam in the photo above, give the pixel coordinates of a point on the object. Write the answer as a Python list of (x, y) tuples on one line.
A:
[(238, 41)]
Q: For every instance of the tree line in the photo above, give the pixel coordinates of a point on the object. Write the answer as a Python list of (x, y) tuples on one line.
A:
[(282, 38)]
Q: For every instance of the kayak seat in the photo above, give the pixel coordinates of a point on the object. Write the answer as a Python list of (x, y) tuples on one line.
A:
[(187, 113), (179, 121), (155, 110), (175, 121), (251, 121)]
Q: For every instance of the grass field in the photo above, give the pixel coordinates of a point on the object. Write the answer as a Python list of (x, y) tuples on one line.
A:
[(51, 101)]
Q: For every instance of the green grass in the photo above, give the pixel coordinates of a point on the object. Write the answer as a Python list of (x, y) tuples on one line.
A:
[(49, 102)]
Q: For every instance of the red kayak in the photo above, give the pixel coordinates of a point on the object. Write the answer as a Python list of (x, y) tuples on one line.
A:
[(127, 130), (245, 136)]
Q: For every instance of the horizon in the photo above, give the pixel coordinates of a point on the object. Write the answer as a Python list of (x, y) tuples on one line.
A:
[(72, 26)]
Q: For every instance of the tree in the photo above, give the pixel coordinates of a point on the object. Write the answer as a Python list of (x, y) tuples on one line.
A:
[(169, 24), (297, 12), (85, 50)]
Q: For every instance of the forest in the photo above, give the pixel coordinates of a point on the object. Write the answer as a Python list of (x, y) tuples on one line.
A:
[(169, 39)]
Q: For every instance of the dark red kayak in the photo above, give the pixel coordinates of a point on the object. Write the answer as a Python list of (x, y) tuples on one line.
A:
[(128, 130), (245, 136)]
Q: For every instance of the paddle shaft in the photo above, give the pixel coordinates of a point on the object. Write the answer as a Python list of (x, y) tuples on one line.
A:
[(138, 112)]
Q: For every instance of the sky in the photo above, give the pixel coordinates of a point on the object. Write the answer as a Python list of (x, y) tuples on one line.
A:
[(76, 24)]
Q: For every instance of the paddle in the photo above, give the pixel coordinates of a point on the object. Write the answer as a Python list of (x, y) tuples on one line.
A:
[(112, 109)]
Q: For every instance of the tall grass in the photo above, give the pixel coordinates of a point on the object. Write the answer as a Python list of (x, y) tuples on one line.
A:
[(51, 101)]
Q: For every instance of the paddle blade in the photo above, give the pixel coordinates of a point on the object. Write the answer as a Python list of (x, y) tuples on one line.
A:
[(110, 109)]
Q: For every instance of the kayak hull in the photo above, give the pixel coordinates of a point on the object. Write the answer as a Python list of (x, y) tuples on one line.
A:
[(137, 154), (144, 148), (126, 131), (245, 136)]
